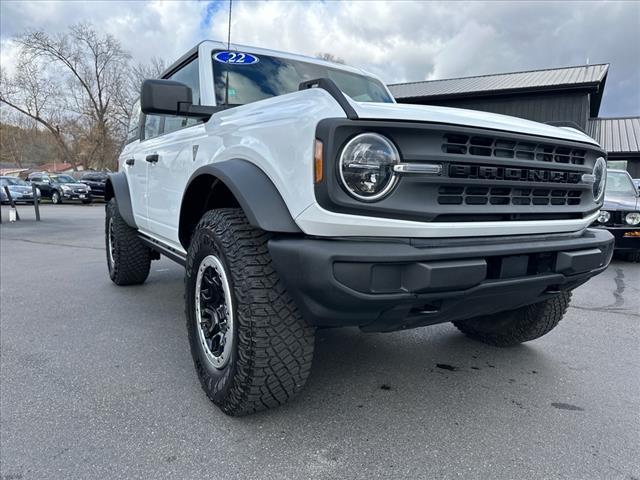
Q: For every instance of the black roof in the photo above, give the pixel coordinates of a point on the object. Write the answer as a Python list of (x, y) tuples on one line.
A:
[(587, 77)]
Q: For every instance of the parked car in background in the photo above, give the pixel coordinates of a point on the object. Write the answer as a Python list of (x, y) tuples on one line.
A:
[(59, 188), (97, 182), (620, 214), (20, 190)]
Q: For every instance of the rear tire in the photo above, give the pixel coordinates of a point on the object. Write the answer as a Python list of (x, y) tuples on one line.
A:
[(255, 351), (523, 324), (128, 259)]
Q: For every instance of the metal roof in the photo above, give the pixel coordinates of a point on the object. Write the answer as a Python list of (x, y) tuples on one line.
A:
[(583, 75), (616, 135)]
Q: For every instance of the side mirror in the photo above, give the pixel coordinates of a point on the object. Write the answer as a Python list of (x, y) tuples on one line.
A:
[(164, 97), (168, 97)]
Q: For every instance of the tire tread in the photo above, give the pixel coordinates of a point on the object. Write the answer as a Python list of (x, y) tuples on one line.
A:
[(275, 345)]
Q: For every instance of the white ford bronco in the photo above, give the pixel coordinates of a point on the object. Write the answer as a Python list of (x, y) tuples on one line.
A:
[(299, 195)]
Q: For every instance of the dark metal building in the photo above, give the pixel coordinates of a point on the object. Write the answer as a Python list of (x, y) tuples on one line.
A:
[(570, 95)]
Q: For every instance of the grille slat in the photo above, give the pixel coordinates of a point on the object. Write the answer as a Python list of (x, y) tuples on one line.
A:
[(473, 195), (481, 146)]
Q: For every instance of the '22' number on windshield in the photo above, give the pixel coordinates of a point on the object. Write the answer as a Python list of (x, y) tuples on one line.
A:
[(235, 57)]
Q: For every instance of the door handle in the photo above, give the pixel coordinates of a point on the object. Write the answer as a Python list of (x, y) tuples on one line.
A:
[(153, 158), (130, 161)]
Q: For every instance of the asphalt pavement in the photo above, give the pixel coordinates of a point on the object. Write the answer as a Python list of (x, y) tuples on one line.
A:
[(96, 381)]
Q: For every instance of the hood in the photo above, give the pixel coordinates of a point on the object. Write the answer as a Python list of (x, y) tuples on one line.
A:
[(20, 188), (626, 202), (470, 118)]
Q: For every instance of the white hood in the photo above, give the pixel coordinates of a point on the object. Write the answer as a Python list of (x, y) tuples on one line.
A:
[(470, 118)]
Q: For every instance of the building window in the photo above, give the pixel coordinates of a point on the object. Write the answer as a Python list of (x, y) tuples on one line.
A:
[(617, 164)]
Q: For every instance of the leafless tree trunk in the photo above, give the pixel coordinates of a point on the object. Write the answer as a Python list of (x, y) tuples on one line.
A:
[(85, 73)]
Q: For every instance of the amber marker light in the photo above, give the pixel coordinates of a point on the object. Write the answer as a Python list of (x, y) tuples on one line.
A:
[(317, 161)]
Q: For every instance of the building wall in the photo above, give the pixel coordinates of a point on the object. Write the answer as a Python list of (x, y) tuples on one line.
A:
[(540, 107)]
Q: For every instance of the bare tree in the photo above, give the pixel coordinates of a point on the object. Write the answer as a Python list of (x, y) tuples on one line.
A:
[(34, 93), (90, 72)]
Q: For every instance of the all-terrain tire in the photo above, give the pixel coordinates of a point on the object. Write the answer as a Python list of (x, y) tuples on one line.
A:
[(128, 259), (523, 324), (272, 344)]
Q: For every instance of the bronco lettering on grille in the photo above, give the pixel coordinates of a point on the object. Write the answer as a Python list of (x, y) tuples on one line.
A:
[(509, 173)]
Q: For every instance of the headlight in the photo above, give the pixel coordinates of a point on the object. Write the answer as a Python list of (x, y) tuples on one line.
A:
[(65, 188), (604, 216), (366, 166), (632, 218), (600, 174), (88, 188)]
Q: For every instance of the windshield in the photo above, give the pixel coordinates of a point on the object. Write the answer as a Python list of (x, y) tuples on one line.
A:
[(272, 76), (63, 179), (11, 181), (618, 183)]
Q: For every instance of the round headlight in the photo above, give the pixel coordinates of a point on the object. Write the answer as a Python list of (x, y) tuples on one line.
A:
[(600, 175), (604, 216), (632, 218), (366, 166)]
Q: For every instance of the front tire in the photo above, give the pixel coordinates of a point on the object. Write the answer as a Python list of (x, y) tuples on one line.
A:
[(523, 324), (251, 348), (56, 199), (128, 259)]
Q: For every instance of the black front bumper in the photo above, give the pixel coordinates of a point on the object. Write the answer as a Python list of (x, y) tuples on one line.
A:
[(387, 284)]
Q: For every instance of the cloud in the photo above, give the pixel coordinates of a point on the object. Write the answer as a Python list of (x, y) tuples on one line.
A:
[(399, 41)]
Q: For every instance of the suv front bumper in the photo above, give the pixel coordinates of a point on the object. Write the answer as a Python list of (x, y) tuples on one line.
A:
[(385, 284)]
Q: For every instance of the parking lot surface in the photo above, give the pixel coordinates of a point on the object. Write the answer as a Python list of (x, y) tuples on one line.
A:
[(97, 382)]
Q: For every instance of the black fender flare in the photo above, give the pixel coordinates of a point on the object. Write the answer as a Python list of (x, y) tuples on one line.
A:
[(118, 187), (257, 195)]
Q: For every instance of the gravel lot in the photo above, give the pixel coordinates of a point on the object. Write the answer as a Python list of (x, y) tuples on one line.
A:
[(97, 382)]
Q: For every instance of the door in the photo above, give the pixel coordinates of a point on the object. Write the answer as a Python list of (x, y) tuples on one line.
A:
[(135, 170), (170, 161), (43, 184)]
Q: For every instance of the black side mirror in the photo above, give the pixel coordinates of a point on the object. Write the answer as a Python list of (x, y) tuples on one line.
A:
[(167, 97), (164, 97)]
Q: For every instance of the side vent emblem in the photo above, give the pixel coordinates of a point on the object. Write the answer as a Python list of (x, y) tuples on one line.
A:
[(194, 150)]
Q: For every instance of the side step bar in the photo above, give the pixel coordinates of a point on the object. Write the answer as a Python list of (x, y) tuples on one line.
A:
[(169, 252)]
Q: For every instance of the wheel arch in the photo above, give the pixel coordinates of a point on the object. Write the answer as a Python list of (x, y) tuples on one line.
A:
[(117, 187), (234, 183)]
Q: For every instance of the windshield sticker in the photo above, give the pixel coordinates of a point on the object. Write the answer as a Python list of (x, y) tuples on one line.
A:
[(237, 58)]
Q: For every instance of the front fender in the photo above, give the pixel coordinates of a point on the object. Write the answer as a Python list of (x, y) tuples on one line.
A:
[(255, 192), (117, 187)]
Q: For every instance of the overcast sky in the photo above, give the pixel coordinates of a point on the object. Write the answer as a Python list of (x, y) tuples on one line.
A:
[(399, 41)]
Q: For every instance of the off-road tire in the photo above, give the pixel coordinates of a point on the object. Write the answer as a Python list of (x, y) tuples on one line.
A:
[(131, 258), (633, 256), (54, 200), (273, 345), (523, 324)]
